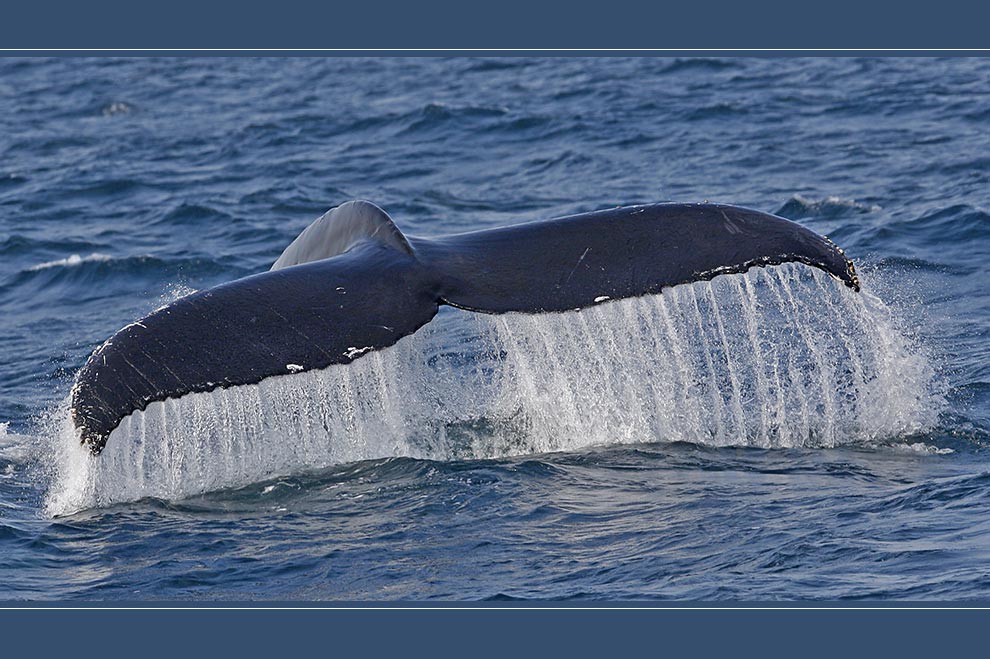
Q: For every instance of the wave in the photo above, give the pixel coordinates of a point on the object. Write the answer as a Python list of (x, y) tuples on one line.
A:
[(699, 64), (798, 207), (491, 64), (12, 179), (716, 111), (106, 188), (193, 214), (71, 261), (98, 268), (953, 224), (779, 357), (17, 244), (959, 491), (437, 115)]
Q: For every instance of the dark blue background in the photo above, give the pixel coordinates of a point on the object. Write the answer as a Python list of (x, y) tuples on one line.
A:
[(529, 25), (819, 633)]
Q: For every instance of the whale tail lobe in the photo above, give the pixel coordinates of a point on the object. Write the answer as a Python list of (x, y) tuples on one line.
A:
[(577, 261)]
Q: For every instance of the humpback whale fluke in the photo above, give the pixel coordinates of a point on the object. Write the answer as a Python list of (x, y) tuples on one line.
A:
[(352, 283)]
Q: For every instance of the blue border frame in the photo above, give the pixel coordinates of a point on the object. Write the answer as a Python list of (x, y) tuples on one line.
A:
[(448, 28), (503, 631), (450, 24)]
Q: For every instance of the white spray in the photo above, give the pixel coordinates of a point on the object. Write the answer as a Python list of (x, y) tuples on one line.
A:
[(776, 357)]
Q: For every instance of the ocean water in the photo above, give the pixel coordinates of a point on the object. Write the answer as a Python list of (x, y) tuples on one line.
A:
[(765, 436)]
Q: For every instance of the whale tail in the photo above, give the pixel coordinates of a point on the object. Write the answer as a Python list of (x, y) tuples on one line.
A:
[(352, 283)]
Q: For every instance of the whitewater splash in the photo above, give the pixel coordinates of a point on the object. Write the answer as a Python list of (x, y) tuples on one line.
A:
[(776, 357)]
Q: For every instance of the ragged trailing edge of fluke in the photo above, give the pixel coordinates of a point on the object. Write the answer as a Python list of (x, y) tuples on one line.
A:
[(352, 283)]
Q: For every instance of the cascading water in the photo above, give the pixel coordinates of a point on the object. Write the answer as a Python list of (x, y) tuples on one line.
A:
[(777, 357)]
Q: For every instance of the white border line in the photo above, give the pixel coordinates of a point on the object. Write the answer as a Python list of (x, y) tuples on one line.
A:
[(501, 50)]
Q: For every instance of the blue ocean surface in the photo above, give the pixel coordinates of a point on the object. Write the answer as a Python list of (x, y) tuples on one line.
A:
[(771, 435)]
